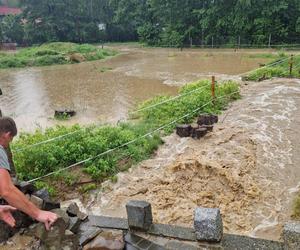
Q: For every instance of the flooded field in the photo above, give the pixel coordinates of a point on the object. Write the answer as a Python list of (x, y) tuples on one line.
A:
[(104, 91)]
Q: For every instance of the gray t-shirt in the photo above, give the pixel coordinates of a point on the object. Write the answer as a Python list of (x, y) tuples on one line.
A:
[(3, 159)]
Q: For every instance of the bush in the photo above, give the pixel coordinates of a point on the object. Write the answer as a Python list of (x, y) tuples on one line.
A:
[(52, 53), (281, 69)]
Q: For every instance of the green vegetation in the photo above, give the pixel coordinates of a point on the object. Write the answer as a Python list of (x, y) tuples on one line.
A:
[(157, 23), (296, 207), (32, 162), (282, 69), (53, 53)]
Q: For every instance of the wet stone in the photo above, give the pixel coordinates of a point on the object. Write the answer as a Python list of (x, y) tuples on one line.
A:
[(51, 239), (82, 216), (26, 188), (50, 205), (74, 224), (107, 239), (73, 209), (136, 242), (87, 234), (139, 215), (5, 232), (62, 214), (208, 127), (208, 224), (38, 202), (199, 133), (291, 235), (183, 130), (42, 194)]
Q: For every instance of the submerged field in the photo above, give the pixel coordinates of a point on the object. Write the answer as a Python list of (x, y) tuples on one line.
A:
[(52, 54), (87, 142)]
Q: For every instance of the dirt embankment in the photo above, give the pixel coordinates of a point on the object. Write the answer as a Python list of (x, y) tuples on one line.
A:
[(246, 167)]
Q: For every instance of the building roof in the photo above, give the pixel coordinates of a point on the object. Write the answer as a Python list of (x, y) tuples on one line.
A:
[(9, 11)]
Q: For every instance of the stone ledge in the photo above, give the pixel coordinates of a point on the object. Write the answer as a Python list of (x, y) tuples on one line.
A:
[(108, 222)]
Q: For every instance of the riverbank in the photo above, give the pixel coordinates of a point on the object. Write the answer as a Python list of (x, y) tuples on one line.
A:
[(53, 54)]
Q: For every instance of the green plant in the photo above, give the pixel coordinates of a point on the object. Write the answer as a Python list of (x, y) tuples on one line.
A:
[(87, 187), (296, 207)]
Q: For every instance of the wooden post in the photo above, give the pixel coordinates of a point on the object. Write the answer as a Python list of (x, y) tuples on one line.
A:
[(212, 42), (291, 65), (213, 94), (270, 38), (239, 42)]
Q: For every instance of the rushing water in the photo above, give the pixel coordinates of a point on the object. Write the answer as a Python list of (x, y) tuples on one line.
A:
[(104, 91)]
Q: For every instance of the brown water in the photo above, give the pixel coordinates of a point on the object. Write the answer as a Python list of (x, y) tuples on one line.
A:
[(248, 167), (31, 95)]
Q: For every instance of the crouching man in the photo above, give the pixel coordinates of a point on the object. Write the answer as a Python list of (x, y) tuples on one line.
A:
[(8, 191)]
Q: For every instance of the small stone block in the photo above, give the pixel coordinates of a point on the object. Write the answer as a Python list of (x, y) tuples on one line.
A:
[(49, 205), (43, 194), (291, 235), (139, 215), (36, 201), (72, 209), (26, 188), (208, 224), (183, 130), (74, 224)]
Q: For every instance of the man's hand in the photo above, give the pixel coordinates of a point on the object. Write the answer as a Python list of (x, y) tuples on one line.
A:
[(47, 218), (6, 216)]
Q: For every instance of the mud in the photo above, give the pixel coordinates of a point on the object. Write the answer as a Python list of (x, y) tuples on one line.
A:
[(247, 167)]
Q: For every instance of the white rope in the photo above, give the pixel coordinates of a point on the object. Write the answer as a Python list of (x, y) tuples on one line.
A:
[(130, 142), (268, 65), (79, 130)]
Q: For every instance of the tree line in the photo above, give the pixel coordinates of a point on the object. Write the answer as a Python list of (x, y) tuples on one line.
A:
[(155, 22)]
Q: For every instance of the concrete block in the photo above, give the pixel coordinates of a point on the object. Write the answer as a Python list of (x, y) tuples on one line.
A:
[(139, 215), (291, 235), (208, 224)]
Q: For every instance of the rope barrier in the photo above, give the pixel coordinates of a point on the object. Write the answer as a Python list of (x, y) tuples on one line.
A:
[(130, 142), (77, 131), (269, 65)]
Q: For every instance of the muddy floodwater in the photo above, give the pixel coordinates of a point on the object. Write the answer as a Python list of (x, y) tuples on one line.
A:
[(104, 91), (248, 167)]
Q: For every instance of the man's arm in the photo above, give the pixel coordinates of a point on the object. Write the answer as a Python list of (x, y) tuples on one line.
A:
[(17, 199)]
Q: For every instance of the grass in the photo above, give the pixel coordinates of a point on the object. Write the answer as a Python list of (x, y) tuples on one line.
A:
[(32, 162), (277, 70), (296, 208), (53, 54)]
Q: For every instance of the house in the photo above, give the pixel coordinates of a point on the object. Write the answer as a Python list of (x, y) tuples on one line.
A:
[(4, 11)]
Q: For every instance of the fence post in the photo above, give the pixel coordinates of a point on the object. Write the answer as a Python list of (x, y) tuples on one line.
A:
[(291, 65), (212, 42), (239, 42), (270, 38), (213, 83)]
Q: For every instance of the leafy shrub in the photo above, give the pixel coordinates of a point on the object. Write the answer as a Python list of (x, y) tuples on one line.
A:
[(52, 53), (275, 68)]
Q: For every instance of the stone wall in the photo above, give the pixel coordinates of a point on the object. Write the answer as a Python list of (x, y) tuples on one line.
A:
[(75, 230)]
